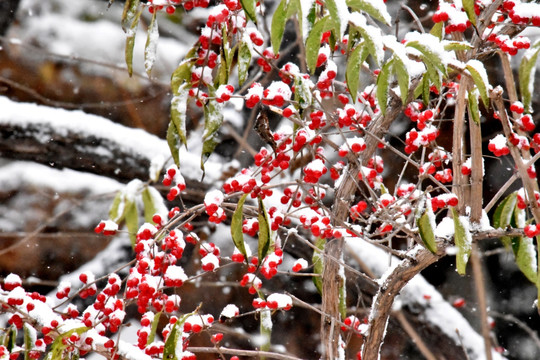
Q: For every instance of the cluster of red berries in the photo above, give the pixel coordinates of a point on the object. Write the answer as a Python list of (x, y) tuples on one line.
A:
[(498, 146), (443, 201), (268, 57)]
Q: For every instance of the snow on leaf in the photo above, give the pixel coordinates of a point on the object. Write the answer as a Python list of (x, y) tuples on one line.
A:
[(150, 48), (213, 118), (173, 344), (426, 228), (456, 45), (375, 8), (503, 214), (371, 34), (431, 49), (302, 92), (338, 16), (266, 329), (307, 10), (526, 257), (463, 241), (474, 111), (244, 59), (130, 38), (527, 70), (130, 14), (236, 226), (480, 78)]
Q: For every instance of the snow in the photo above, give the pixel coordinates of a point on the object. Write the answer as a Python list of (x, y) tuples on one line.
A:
[(305, 6), (230, 311), (282, 300), (437, 310)]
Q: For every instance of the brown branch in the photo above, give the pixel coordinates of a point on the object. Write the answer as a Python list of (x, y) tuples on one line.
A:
[(253, 353)]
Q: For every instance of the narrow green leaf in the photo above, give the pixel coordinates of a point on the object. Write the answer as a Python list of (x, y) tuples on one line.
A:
[(375, 9), (503, 215), (463, 241), (132, 220), (457, 46), (213, 118), (264, 232), (343, 299), (468, 6), (249, 9), (28, 343), (426, 229), (526, 258), (335, 19), (150, 48), (244, 59), (279, 20), (129, 15), (153, 329), (402, 75), (354, 65), (302, 92), (479, 75), (11, 340), (527, 70), (318, 263), (433, 75), (150, 208), (236, 226), (436, 30), (313, 43), (429, 54), (374, 46), (179, 112), (169, 349), (173, 140), (58, 346), (116, 213), (474, 111), (181, 75), (425, 89), (266, 329), (130, 41), (383, 86)]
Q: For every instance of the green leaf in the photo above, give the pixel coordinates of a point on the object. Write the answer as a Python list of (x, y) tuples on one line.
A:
[(249, 9), (28, 343), (264, 232), (179, 112), (181, 75), (169, 349), (318, 263), (266, 329), (526, 258), (153, 329), (474, 111), (436, 30), (433, 75), (313, 43), (116, 213), (279, 19), (504, 212), (527, 70), (130, 41), (374, 45), (403, 78), (425, 89), (335, 19), (479, 76), (343, 299), (173, 140), (302, 92), (150, 208), (213, 118), (132, 220), (463, 241), (244, 59), (130, 14), (426, 229), (429, 54), (150, 48), (236, 226), (457, 46), (354, 65), (383, 86), (375, 9), (468, 6), (58, 346)]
